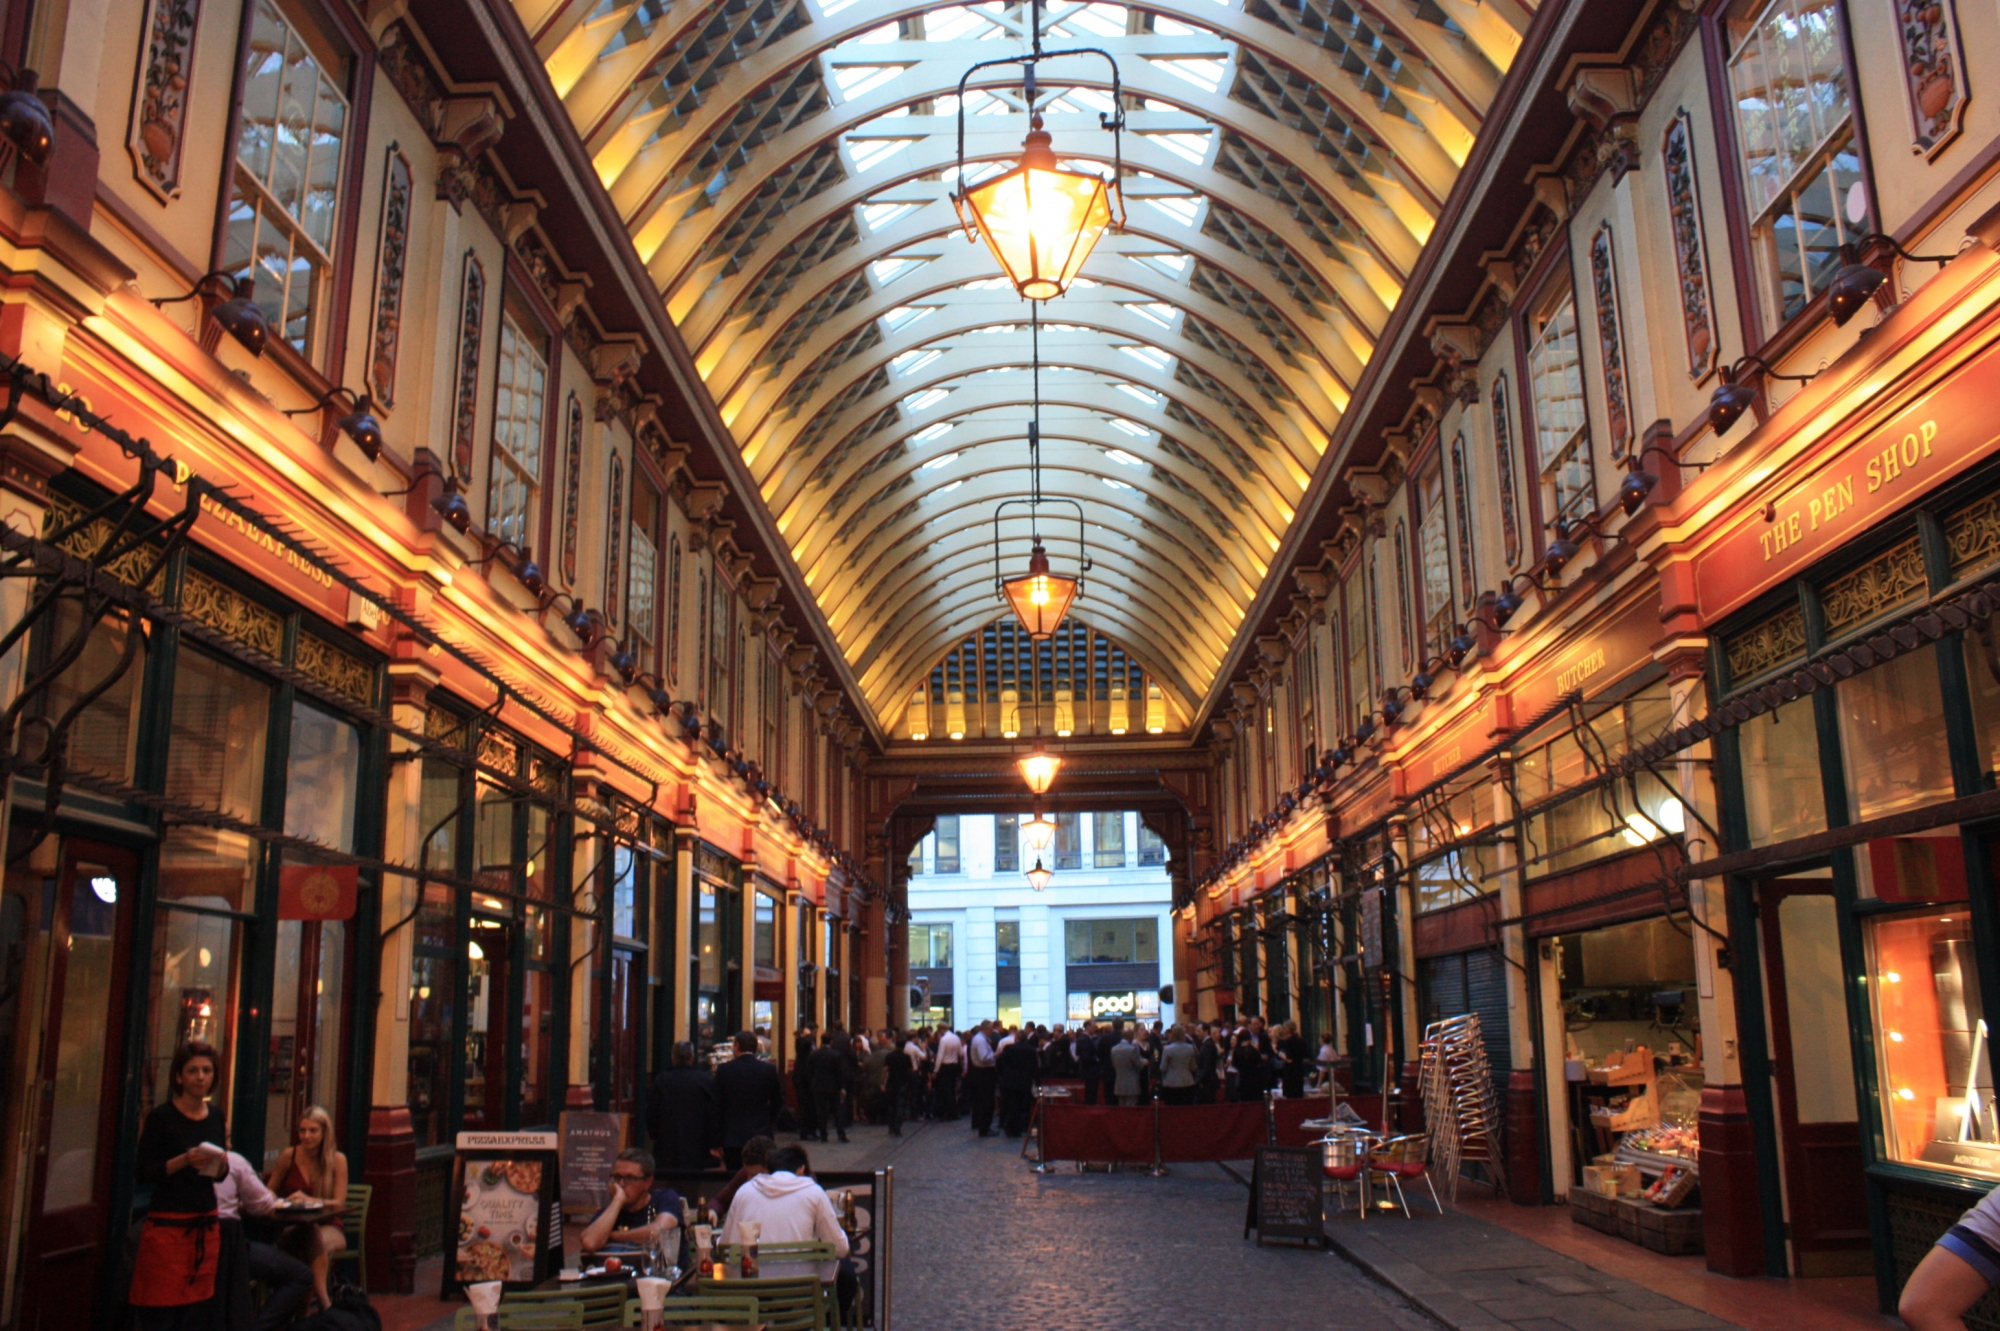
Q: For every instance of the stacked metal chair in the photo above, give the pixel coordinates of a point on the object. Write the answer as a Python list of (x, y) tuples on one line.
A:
[(1461, 1109)]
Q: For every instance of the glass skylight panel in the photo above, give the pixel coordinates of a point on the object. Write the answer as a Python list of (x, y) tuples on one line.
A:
[(930, 397), (827, 8), (964, 21), (1133, 428), (1123, 459), (1192, 145), (1168, 27), (1115, 485), (868, 153), (885, 271), (856, 80), (947, 487), (1202, 71), (904, 315), (987, 284), (930, 432), (1175, 264), (879, 215), (912, 361), (1153, 312), (1151, 399), (939, 463), (1151, 356)]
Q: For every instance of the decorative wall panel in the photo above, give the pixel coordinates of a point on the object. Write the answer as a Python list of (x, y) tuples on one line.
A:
[(1690, 246), (1611, 341), (391, 267), (465, 401)]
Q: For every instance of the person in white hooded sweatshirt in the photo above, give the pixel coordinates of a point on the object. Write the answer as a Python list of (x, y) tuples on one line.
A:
[(789, 1207)]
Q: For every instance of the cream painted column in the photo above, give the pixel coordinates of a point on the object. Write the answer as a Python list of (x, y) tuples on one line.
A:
[(1555, 1078), (582, 939), (402, 839), (682, 906), (746, 999), (1706, 900)]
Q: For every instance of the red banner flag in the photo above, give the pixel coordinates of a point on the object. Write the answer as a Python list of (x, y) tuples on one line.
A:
[(317, 891)]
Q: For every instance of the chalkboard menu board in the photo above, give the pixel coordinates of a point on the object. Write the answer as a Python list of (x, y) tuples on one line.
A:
[(590, 1142), (1285, 1195)]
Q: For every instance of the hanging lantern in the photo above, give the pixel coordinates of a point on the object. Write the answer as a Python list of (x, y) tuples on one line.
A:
[(1039, 219), (1040, 598), (1038, 877), (1039, 769), (1038, 833)]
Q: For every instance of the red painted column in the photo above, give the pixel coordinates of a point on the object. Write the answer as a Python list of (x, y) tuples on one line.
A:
[(1524, 1138), (1732, 1220), (391, 1239)]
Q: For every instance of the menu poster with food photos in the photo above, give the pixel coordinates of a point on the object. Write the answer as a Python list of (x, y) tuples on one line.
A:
[(505, 1221)]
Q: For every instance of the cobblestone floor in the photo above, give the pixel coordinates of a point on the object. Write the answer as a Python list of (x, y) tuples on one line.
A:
[(985, 1244)]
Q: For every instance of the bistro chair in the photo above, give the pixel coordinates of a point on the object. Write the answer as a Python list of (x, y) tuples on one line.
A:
[(545, 1317), (792, 1304), (354, 1224), (1402, 1158), (1344, 1161), (601, 1305), (810, 1251), (702, 1309)]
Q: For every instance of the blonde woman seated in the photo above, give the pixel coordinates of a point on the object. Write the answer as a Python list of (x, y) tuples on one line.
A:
[(312, 1169)]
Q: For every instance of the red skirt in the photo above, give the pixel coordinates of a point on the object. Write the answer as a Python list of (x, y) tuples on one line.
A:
[(177, 1259)]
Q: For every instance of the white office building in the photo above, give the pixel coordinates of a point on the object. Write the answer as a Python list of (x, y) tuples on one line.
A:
[(1093, 944)]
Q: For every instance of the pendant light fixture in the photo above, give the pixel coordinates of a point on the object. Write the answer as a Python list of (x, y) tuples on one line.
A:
[(1040, 597), (1038, 877), (1038, 833), (1039, 768), (1040, 219)]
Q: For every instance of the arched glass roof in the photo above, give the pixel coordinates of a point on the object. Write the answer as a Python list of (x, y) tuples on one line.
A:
[(784, 169)]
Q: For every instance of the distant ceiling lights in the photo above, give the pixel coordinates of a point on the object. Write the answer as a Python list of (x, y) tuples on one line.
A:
[(1042, 220), (1040, 597)]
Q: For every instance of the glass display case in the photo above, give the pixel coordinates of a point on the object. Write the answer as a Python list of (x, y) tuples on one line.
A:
[(1935, 1077)]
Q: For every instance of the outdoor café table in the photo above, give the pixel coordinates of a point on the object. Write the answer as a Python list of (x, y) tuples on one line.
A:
[(298, 1227)]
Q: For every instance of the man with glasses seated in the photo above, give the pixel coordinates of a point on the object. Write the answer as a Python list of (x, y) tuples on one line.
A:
[(637, 1210)]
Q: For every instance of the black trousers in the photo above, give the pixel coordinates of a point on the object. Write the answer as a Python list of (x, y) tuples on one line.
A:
[(1090, 1083), (289, 1280), (1016, 1107), (983, 1081), (897, 1100), (808, 1119), (947, 1092), (1177, 1095), (832, 1110)]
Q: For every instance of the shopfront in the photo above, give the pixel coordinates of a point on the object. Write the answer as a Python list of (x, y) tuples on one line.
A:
[(715, 948), (630, 1014), (1871, 890), (191, 877), (769, 1009)]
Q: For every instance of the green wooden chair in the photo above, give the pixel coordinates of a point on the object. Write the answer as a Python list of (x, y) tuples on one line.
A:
[(702, 1309), (602, 1305), (354, 1223), (808, 1251), (545, 1317), (791, 1304)]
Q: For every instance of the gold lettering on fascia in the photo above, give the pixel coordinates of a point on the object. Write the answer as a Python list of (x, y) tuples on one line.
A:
[(263, 541), (1581, 671), (1447, 760), (1882, 467)]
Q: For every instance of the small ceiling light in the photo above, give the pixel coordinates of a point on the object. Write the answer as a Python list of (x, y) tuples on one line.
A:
[(1505, 602), (626, 662), (1632, 491), (1729, 401), (1039, 769), (358, 424), (1420, 687), (1561, 550), (451, 506), (530, 574), (1038, 877), (1852, 287), (581, 622), (238, 315), (1459, 648), (1038, 833), (25, 120)]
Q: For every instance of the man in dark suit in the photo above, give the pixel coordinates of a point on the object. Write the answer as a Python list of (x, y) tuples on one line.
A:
[(832, 1072), (684, 1115), (1109, 1038), (752, 1097)]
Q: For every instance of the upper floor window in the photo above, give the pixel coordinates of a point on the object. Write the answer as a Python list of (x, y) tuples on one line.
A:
[(1434, 558), (1108, 837), (642, 592), (1562, 431), (947, 844), (519, 404), (1068, 845), (930, 945), (1152, 849), (286, 198), (1795, 132), (1007, 842)]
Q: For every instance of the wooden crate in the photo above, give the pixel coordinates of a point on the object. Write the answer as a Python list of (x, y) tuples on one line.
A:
[(1673, 1233)]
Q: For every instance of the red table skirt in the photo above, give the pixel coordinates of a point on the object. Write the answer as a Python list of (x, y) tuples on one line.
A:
[(1211, 1132), (1098, 1133)]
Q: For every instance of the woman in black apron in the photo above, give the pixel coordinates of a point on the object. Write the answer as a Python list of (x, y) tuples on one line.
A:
[(181, 1154)]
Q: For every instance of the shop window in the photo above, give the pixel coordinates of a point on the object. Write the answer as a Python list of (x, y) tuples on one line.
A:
[(1152, 849), (624, 891), (1007, 970), (103, 738), (1795, 137), (1107, 834), (1982, 674), (308, 1011), (1110, 942), (322, 765), (196, 968), (1562, 428), (1936, 1078), (946, 843), (1782, 797), (1007, 843), (286, 199), (538, 994), (215, 755), (1629, 813), (764, 932), (1068, 845), (1892, 736), (519, 403)]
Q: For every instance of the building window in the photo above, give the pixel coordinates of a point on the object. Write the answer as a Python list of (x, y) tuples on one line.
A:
[(1152, 849), (1795, 134), (1110, 942), (518, 399), (287, 192), (1434, 560), (1108, 838), (1007, 971), (1068, 843), (947, 844), (1354, 624), (1562, 432), (673, 608), (930, 945), (642, 613), (1007, 842)]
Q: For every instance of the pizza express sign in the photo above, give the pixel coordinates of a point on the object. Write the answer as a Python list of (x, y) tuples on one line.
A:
[(1875, 474)]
